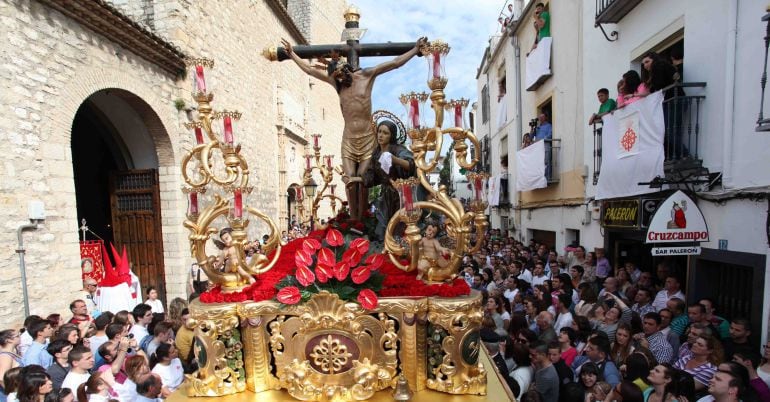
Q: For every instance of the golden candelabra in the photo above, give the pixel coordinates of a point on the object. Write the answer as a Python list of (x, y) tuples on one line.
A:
[(217, 161), (426, 148), (327, 170)]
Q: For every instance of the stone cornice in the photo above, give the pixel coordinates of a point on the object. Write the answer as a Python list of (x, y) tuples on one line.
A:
[(288, 23), (104, 19)]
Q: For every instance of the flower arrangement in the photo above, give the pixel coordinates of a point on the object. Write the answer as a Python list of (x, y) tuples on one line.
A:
[(352, 227), (332, 265)]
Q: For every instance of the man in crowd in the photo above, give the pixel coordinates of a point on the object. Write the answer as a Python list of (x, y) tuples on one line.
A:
[(89, 296), (564, 319), (546, 380), (721, 324), (149, 388), (751, 360), (633, 271), (40, 330), (545, 327), (695, 331), (79, 312), (100, 337), (669, 291), (162, 333), (665, 328), (740, 331), (60, 350), (680, 320), (597, 350), (643, 299), (654, 340), (727, 386), (81, 361), (565, 373), (538, 275)]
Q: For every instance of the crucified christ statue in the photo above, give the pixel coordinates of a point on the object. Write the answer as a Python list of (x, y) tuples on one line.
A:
[(354, 86)]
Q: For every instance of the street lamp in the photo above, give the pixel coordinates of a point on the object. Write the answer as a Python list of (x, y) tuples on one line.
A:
[(310, 186)]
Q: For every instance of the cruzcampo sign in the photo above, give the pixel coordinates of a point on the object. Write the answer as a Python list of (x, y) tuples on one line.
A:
[(677, 220)]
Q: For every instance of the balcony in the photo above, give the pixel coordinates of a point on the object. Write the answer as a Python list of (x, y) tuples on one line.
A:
[(682, 116), (505, 197), (552, 151), (612, 11)]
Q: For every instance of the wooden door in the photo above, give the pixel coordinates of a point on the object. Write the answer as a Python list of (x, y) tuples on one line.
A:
[(136, 224)]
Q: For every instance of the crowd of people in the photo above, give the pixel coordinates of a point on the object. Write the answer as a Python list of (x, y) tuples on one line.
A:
[(570, 327), (139, 355)]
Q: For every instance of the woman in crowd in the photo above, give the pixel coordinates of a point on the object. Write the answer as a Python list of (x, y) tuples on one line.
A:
[(9, 340), (582, 327), (165, 363), (589, 268), (523, 372), (35, 384), (153, 301), (567, 338), (624, 282), (636, 369), (632, 89), (763, 371), (486, 277), (69, 333), (626, 391), (94, 389), (622, 347), (663, 379), (589, 376), (706, 354), (136, 367), (588, 299), (65, 395), (495, 310), (607, 319), (658, 73), (11, 380)]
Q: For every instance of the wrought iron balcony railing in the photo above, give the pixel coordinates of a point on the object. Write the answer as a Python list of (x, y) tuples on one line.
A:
[(552, 148), (612, 11)]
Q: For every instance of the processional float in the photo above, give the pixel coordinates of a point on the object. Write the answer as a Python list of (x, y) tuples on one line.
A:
[(314, 338)]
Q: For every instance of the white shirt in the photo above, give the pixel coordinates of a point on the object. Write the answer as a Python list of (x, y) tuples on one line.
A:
[(662, 297), (126, 391), (139, 332), (526, 276), (172, 375), (73, 381), (510, 294), (539, 280), (97, 341), (523, 377), (157, 306), (563, 320), (25, 341)]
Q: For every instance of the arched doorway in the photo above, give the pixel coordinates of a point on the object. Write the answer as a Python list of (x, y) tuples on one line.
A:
[(115, 163)]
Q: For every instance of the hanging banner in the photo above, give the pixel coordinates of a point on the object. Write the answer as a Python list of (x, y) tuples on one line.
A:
[(91, 265), (677, 220)]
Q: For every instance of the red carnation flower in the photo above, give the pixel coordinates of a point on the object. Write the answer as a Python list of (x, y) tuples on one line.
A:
[(289, 295), (368, 299), (305, 276), (361, 274), (334, 238)]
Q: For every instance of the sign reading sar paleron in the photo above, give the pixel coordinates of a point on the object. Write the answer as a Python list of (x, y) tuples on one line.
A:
[(677, 219), (620, 213)]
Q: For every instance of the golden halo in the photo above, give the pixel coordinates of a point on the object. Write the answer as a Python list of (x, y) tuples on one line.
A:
[(384, 114)]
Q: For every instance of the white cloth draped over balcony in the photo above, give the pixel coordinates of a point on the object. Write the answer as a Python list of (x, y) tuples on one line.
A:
[(538, 64), (632, 148), (502, 112), (530, 167), (493, 197)]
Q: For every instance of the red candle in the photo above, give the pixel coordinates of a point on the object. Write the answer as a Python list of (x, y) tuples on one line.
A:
[(333, 187), (193, 203), (228, 130), (199, 135), (458, 115), (200, 82), (299, 194), (316, 138), (414, 113), (436, 64), (329, 159), (408, 204), (307, 162), (237, 203), (477, 186)]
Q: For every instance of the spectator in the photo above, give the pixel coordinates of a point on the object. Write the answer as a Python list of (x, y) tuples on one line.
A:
[(40, 330), (623, 346), (587, 301), (564, 318), (589, 268), (544, 132), (58, 370), (608, 321), (751, 361), (523, 373), (542, 22), (184, 338), (589, 376), (538, 274), (149, 388), (721, 324), (166, 364), (100, 336), (11, 380), (764, 369), (693, 333), (610, 286), (680, 320), (81, 360), (643, 305), (626, 391), (663, 379), (597, 351), (630, 89), (606, 105), (637, 368), (143, 317), (546, 377), (729, 384), (152, 300), (670, 291), (93, 390), (162, 333), (89, 296), (34, 385), (25, 338), (9, 340), (563, 370), (567, 338), (633, 271), (545, 327), (654, 340), (624, 284), (740, 331), (706, 354), (79, 312), (136, 369)]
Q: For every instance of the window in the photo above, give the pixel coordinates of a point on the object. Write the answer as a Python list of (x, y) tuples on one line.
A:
[(484, 105)]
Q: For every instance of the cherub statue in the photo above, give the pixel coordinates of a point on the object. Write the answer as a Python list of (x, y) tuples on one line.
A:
[(432, 253), (229, 256)]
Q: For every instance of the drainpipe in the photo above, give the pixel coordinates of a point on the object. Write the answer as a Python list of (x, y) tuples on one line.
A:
[(517, 65), (22, 267), (729, 106)]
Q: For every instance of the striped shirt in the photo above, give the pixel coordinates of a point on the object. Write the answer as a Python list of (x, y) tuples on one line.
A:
[(702, 373), (660, 348)]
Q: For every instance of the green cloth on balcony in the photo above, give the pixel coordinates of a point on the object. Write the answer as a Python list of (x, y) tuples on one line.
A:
[(608, 106), (545, 31)]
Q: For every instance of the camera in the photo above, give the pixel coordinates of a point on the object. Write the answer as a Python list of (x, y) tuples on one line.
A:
[(533, 123)]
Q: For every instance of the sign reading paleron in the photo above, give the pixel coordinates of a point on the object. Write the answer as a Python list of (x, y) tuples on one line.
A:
[(326, 317)]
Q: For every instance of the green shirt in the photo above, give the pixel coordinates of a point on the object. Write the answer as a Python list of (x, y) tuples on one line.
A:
[(545, 31), (608, 106)]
